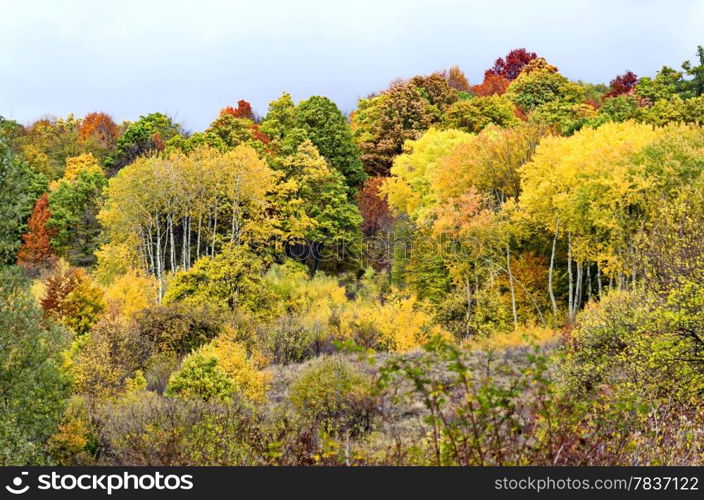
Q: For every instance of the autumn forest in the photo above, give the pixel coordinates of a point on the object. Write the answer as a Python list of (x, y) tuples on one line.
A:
[(504, 272)]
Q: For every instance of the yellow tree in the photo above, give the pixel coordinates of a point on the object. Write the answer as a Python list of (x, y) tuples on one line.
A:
[(169, 211), (584, 190), (473, 185), (410, 189)]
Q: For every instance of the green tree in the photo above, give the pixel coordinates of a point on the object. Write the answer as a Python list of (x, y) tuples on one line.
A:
[(696, 84), (317, 215), (328, 130), (12, 132), (280, 118), (619, 109), (146, 135), (32, 386), (667, 82), (232, 279), (540, 83), (676, 110), (231, 130), (74, 207), (201, 377), (476, 114), (382, 123), (20, 187), (566, 117)]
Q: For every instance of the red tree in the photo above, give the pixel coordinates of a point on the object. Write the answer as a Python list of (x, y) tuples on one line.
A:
[(377, 223), (243, 110), (511, 67), (36, 249), (622, 84), (373, 207), (101, 127), (492, 85)]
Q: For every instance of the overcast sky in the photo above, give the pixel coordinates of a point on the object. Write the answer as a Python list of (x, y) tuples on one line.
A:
[(191, 58)]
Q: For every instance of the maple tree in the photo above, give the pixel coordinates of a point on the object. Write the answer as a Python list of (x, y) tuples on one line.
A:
[(373, 207), (622, 84), (492, 84), (512, 65), (99, 133), (243, 110), (36, 249)]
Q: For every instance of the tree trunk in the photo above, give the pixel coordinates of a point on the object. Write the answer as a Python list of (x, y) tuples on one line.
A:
[(550, 272), (634, 272), (200, 227), (172, 254), (315, 255), (188, 245), (150, 249), (468, 296), (577, 302), (589, 282), (184, 233), (215, 232), (235, 231), (159, 275), (598, 279), (510, 284), (570, 291)]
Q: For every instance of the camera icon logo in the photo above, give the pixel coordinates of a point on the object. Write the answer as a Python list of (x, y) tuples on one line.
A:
[(17, 488)]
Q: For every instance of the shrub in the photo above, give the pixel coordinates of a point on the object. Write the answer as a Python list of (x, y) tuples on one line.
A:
[(287, 340), (73, 299), (201, 377), (102, 360), (217, 371), (178, 328), (399, 325), (230, 280), (337, 396), (242, 369), (152, 430), (479, 410)]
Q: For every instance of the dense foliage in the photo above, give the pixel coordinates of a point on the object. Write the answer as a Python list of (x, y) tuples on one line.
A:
[(505, 273)]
